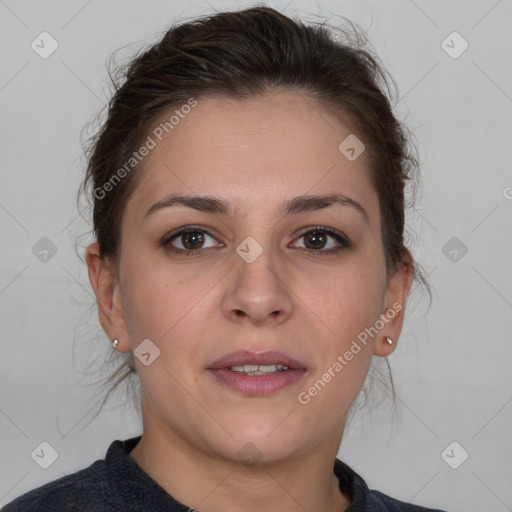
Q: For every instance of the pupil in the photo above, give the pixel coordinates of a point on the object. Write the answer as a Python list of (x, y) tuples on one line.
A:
[(312, 237), (197, 239)]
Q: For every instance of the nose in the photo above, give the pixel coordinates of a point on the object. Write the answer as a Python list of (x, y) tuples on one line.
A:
[(258, 292)]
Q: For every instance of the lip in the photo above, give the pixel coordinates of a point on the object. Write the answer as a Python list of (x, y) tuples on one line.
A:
[(257, 385)]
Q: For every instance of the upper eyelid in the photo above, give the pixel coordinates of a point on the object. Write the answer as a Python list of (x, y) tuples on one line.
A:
[(180, 231)]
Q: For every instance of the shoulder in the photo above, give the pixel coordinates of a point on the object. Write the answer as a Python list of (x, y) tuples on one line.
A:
[(101, 486), (77, 491), (368, 500), (389, 504), (114, 484)]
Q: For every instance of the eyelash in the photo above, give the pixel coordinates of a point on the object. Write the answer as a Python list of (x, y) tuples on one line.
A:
[(337, 235)]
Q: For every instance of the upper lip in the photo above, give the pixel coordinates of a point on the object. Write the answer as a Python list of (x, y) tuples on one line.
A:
[(242, 357)]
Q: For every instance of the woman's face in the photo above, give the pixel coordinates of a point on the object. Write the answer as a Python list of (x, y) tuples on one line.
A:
[(254, 280)]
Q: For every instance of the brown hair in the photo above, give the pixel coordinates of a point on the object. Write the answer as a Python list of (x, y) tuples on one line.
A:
[(240, 55)]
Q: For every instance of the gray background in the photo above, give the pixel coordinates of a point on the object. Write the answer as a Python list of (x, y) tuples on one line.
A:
[(452, 365)]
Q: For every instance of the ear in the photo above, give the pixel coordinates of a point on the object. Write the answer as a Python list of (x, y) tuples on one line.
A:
[(108, 297), (393, 311)]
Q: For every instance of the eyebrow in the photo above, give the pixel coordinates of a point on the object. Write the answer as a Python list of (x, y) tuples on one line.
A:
[(296, 205)]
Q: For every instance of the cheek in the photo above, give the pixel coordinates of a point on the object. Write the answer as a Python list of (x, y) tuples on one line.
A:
[(161, 303), (147, 296), (344, 313), (348, 300)]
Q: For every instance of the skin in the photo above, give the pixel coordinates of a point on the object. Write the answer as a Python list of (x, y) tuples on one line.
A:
[(256, 154)]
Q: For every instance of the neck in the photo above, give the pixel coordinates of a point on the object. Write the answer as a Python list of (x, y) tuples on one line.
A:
[(209, 483)]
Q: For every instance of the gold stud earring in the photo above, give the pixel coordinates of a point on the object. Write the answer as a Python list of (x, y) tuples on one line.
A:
[(388, 340), (115, 343)]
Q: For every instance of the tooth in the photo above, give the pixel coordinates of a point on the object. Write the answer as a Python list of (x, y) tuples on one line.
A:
[(253, 369), (267, 368)]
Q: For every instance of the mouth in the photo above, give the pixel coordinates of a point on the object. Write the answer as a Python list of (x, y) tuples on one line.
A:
[(257, 374), (254, 369), (244, 360)]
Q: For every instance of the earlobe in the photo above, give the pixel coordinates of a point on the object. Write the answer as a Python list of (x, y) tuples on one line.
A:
[(392, 316), (384, 346), (106, 289)]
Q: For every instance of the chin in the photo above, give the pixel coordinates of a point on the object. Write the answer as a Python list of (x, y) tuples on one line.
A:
[(266, 441)]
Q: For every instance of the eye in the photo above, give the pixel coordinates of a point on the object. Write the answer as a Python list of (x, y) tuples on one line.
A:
[(190, 238), (317, 238)]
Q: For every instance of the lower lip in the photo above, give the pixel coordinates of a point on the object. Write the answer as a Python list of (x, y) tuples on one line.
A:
[(257, 385)]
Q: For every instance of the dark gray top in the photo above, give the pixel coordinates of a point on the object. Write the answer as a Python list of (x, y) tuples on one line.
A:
[(119, 484)]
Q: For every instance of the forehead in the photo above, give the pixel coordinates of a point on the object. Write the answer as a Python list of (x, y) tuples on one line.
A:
[(252, 152)]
